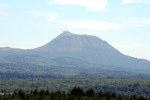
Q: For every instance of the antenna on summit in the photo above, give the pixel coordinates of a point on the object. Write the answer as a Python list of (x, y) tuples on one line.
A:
[(65, 29)]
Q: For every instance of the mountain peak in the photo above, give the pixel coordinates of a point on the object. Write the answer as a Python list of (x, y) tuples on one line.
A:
[(68, 41), (65, 33), (86, 48)]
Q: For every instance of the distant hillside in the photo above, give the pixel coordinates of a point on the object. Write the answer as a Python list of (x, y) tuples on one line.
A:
[(75, 53)]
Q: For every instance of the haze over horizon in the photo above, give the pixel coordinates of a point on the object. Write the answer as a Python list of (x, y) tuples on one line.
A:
[(125, 24)]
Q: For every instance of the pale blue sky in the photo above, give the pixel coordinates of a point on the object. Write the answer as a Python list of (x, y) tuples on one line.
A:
[(125, 24)]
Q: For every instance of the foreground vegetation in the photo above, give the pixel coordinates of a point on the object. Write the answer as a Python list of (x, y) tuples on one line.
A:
[(122, 85), (75, 94)]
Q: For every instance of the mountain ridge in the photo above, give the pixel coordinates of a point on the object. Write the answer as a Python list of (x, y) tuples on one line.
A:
[(64, 33), (77, 48)]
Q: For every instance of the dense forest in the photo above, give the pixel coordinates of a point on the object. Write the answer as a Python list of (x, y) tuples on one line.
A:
[(125, 85), (64, 76), (76, 93)]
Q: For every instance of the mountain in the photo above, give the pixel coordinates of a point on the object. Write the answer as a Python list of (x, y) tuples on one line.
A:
[(77, 53), (85, 47)]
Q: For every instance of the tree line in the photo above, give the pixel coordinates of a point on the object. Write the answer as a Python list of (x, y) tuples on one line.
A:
[(76, 93)]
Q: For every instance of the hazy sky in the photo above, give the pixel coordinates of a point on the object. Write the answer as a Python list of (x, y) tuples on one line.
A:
[(125, 24)]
